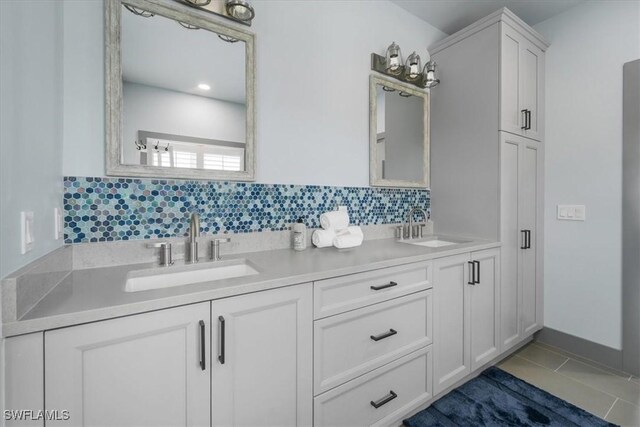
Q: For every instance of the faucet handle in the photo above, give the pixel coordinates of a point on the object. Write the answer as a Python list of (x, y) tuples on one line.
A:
[(215, 247), (165, 252)]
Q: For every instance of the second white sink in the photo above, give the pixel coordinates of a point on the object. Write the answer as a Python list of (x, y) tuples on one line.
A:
[(158, 278), (435, 242)]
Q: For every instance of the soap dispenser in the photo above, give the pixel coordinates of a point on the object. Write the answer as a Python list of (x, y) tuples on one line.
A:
[(299, 235)]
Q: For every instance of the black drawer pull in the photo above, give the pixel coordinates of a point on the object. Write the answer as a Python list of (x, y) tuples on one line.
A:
[(203, 348), (388, 285), (384, 335), (388, 398), (221, 355), (476, 274)]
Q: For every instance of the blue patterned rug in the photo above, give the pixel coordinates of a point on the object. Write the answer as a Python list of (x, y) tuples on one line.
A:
[(496, 398)]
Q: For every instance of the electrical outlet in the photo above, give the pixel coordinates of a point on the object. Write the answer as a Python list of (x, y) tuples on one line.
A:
[(26, 231), (572, 212)]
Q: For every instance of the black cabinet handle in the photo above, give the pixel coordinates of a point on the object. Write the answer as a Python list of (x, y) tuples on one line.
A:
[(384, 335), (528, 234), (388, 398), (222, 339), (477, 278), (388, 285), (528, 119), (203, 348), (524, 239), (472, 273), (524, 120)]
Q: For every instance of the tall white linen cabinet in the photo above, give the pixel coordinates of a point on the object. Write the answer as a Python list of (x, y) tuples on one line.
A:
[(487, 130)]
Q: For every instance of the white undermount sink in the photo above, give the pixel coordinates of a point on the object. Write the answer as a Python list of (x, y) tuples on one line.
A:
[(435, 242), (168, 277)]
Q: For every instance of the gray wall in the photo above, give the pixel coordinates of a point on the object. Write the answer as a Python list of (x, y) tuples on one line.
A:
[(589, 45), (30, 125)]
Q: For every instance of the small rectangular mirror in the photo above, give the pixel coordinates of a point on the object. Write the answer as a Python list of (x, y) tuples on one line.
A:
[(399, 134), (181, 93)]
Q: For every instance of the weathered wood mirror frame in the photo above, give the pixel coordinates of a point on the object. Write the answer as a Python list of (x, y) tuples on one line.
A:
[(113, 91), (374, 179)]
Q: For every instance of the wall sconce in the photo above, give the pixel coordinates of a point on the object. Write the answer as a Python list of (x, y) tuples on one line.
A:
[(240, 10), (430, 75), (411, 72), (393, 59), (413, 66)]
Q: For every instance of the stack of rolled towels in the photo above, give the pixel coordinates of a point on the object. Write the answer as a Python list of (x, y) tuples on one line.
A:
[(336, 231)]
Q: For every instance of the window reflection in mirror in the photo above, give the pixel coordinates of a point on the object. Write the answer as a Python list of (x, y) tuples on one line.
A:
[(400, 135), (183, 96)]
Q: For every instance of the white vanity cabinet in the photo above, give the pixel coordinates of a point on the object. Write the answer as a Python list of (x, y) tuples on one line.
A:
[(23, 377), (372, 355), (466, 314), (521, 235), (262, 366), (145, 370)]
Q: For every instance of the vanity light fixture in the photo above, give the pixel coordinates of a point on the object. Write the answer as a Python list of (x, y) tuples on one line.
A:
[(188, 26), (204, 86), (413, 67), (138, 12), (199, 3), (410, 72), (240, 10), (429, 74), (393, 59)]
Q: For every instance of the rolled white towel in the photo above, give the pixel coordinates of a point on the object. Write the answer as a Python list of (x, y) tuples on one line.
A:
[(352, 229), (323, 238), (348, 240), (337, 220)]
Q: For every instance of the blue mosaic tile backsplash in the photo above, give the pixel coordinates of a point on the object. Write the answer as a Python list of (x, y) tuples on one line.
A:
[(108, 209)]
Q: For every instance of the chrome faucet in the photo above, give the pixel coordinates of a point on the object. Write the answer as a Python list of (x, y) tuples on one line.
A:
[(194, 232), (411, 233)]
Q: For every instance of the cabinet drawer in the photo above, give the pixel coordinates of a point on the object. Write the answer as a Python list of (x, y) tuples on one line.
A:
[(353, 343), (351, 404), (333, 296)]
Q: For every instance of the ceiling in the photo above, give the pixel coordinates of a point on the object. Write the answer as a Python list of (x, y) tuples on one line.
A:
[(159, 52), (450, 16)]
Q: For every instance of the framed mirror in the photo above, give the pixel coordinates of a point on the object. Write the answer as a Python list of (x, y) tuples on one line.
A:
[(398, 134), (180, 93)]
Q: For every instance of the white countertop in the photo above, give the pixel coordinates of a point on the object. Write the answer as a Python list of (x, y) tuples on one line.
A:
[(98, 293)]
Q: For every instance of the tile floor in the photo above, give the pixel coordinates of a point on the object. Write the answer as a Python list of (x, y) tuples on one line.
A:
[(597, 389)]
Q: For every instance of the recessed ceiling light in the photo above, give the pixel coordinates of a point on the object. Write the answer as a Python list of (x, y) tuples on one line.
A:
[(204, 86)]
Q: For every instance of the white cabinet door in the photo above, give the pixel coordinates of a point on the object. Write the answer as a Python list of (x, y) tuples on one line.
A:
[(511, 238), (530, 218), (511, 116), (262, 345), (484, 307), (23, 377), (451, 338), (521, 85), (531, 88), (521, 236), (142, 370)]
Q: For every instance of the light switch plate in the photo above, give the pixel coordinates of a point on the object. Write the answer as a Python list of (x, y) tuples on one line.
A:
[(26, 231), (572, 212), (57, 223)]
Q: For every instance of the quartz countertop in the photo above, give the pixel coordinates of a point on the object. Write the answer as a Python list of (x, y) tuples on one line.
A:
[(94, 294)]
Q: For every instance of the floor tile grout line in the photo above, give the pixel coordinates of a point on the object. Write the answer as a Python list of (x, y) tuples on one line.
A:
[(572, 379), (609, 411), (563, 363), (576, 357)]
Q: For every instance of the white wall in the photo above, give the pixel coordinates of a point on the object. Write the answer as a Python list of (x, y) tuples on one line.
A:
[(30, 125), (313, 63), (589, 45), (155, 109)]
